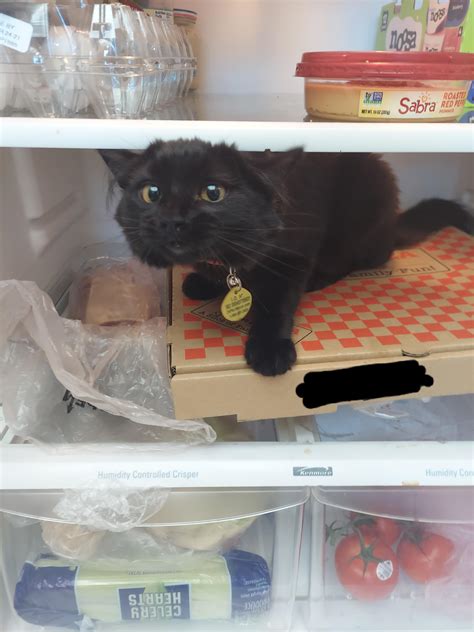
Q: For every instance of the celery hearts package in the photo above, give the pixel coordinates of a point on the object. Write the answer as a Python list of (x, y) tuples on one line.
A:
[(53, 591)]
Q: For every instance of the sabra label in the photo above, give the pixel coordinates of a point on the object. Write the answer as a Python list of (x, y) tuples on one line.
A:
[(384, 570), (411, 104), (15, 34)]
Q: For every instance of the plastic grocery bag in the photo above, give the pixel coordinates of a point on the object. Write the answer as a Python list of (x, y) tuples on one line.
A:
[(84, 519), (63, 381)]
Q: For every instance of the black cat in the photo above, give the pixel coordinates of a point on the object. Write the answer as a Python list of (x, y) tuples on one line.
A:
[(288, 223)]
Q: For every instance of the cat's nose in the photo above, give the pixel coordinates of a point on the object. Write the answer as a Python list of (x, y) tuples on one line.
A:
[(173, 229), (171, 225)]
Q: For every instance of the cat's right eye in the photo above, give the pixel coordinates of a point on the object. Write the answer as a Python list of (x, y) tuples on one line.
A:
[(150, 193)]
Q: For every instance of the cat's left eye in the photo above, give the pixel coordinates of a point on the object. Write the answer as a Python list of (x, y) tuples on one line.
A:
[(150, 193), (212, 193)]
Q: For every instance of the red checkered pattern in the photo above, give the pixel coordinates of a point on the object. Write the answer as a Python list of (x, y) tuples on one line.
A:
[(364, 315)]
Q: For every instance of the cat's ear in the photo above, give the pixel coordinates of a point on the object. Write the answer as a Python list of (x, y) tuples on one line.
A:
[(120, 162), (269, 169), (282, 161)]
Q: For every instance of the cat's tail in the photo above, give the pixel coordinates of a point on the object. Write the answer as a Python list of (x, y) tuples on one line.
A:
[(429, 216)]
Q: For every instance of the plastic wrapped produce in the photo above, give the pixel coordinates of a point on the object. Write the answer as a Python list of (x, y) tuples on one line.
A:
[(52, 591), (55, 369), (73, 541)]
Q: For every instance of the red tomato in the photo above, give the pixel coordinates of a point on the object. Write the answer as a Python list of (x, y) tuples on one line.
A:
[(386, 529), (368, 569), (425, 556)]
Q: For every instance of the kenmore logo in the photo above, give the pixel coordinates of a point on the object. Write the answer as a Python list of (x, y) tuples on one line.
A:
[(312, 471)]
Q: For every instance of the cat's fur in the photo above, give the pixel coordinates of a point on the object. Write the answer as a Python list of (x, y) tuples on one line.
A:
[(290, 223)]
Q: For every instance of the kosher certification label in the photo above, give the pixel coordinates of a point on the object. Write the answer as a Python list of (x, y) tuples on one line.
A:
[(413, 104)]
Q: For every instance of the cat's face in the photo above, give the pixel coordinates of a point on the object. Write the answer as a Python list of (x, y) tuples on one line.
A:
[(188, 201)]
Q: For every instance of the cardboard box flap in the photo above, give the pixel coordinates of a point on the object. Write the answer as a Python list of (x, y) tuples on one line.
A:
[(420, 303)]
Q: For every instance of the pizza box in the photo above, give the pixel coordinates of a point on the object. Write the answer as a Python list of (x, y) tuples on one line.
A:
[(403, 330)]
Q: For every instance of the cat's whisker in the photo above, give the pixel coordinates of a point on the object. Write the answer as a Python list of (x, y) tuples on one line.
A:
[(279, 229), (272, 245), (264, 254), (257, 263)]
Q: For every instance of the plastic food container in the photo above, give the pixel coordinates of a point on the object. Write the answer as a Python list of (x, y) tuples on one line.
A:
[(386, 86), (69, 60)]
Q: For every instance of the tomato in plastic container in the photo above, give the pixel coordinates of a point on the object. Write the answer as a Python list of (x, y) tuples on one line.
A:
[(386, 86)]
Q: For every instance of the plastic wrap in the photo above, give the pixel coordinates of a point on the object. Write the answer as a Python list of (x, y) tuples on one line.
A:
[(84, 519), (212, 536), (52, 591), (55, 372), (113, 291), (110, 506), (87, 515), (72, 541)]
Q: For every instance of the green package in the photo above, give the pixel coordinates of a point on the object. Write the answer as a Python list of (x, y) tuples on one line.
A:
[(402, 27)]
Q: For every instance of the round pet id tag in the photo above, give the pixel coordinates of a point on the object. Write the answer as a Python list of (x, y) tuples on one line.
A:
[(237, 302)]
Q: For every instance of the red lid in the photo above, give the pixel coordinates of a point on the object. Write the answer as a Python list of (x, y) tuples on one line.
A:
[(386, 65)]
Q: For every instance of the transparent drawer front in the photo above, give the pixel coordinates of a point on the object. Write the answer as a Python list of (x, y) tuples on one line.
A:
[(446, 418), (205, 560), (392, 559)]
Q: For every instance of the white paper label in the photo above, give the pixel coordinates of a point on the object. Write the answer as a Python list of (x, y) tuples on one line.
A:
[(15, 33), (384, 570), (164, 14), (407, 104), (403, 35), (437, 14)]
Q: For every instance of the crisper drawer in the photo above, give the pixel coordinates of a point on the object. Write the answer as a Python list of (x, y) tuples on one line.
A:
[(111, 559), (392, 559)]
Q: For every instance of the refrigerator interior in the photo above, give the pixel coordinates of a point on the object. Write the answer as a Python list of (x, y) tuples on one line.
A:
[(54, 202)]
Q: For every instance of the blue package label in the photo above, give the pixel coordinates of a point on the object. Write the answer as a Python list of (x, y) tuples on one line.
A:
[(251, 583), (467, 117), (168, 604), (46, 596)]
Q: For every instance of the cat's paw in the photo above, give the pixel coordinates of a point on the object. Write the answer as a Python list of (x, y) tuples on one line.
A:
[(270, 356), (198, 288)]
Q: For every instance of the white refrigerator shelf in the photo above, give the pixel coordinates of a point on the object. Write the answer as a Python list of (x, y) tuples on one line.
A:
[(254, 122), (260, 464)]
